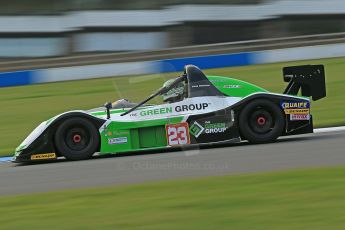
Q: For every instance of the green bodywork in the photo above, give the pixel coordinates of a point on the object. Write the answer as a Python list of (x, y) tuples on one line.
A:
[(139, 135), (151, 134), (233, 87)]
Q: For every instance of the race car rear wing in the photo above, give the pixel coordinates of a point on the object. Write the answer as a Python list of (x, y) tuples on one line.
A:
[(310, 79)]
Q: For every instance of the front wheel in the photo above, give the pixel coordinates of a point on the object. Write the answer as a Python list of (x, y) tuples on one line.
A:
[(76, 139), (261, 121)]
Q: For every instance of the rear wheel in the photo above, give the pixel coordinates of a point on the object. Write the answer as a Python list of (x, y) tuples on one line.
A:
[(76, 139), (261, 121)]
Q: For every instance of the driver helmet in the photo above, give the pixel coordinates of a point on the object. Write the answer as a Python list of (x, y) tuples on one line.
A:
[(174, 94)]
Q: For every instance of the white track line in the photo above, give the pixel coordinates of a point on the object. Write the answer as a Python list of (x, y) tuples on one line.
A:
[(330, 129)]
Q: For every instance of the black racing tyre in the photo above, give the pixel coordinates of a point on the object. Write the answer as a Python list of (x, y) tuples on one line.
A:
[(76, 139), (261, 121)]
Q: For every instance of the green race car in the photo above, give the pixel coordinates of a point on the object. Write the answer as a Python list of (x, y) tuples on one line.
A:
[(197, 110)]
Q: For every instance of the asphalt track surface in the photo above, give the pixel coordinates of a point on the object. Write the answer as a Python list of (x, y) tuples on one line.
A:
[(312, 150)]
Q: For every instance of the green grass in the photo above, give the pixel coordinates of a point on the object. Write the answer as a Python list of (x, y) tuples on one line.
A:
[(299, 199), (23, 108)]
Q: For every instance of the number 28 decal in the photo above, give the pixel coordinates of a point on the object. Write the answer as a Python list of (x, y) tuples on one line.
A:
[(178, 134)]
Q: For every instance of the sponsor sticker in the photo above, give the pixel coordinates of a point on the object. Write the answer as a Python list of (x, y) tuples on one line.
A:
[(200, 86), (159, 111), (116, 133), (299, 117), (231, 86), (191, 107), (219, 127), (43, 156), (178, 134), (209, 127), (218, 80), (178, 109), (295, 107), (296, 111), (117, 140), (196, 129)]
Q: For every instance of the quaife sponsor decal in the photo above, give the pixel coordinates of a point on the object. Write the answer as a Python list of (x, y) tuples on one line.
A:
[(299, 117), (117, 140), (43, 156), (177, 108), (295, 107)]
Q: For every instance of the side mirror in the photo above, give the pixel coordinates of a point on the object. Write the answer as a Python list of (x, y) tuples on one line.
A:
[(108, 106)]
